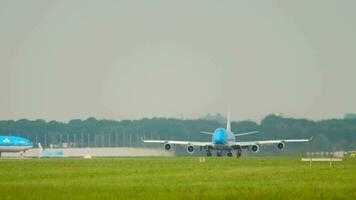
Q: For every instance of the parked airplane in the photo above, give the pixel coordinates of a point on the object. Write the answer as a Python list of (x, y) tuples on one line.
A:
[(224, 141), (49, 153), (14, 144)]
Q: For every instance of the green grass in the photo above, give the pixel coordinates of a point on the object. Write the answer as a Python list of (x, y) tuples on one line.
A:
[(175, 178)]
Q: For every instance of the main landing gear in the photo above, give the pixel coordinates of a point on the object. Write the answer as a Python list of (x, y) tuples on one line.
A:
[(220, 153), (238, 153)]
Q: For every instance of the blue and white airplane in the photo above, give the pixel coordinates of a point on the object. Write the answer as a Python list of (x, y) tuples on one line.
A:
[(49, 153), (223, 140), (14, 144)]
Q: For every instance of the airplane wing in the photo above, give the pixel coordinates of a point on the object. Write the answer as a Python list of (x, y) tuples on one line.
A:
[(199, 144), (271, 142)]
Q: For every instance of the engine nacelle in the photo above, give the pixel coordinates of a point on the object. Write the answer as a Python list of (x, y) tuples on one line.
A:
[(255, 148), (167, 146), (281, 145), (190, 149)]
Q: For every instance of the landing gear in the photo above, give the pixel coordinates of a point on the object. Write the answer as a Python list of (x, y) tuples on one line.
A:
[(229, 154), (208, 153), (218, 154), (238, 153)]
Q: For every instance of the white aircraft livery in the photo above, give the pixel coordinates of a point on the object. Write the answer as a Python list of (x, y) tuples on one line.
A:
[(14, 144), (223, 140)]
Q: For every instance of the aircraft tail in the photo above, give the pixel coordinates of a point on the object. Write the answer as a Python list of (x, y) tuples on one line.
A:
[(40, 148), (228, 123)]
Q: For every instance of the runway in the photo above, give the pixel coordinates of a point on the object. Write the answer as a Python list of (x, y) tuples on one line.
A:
[(94, 152)]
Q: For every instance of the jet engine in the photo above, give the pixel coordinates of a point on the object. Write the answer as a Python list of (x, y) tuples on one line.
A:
[(190, 149), (255, 148), (167, 146), (280, 145)]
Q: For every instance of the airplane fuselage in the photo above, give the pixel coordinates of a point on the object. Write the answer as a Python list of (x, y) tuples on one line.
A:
[(14, 144)]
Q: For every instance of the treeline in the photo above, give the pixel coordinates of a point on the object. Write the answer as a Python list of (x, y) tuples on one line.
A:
[(329, 135)]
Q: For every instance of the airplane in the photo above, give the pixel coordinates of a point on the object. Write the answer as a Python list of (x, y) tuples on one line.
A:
[(14, 144), (223, 140), (49, 153)]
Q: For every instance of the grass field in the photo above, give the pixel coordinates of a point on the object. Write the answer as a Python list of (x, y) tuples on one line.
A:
[(175, 178)]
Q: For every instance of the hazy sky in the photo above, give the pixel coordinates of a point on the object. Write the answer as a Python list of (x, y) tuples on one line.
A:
[(131, 59)]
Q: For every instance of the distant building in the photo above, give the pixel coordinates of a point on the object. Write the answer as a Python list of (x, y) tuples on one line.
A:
[(350, 116)]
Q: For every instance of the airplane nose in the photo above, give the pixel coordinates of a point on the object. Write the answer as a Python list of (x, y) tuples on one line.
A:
[(219, 138)]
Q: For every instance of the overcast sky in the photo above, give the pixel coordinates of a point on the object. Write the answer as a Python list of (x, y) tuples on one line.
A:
[(61, 60)]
